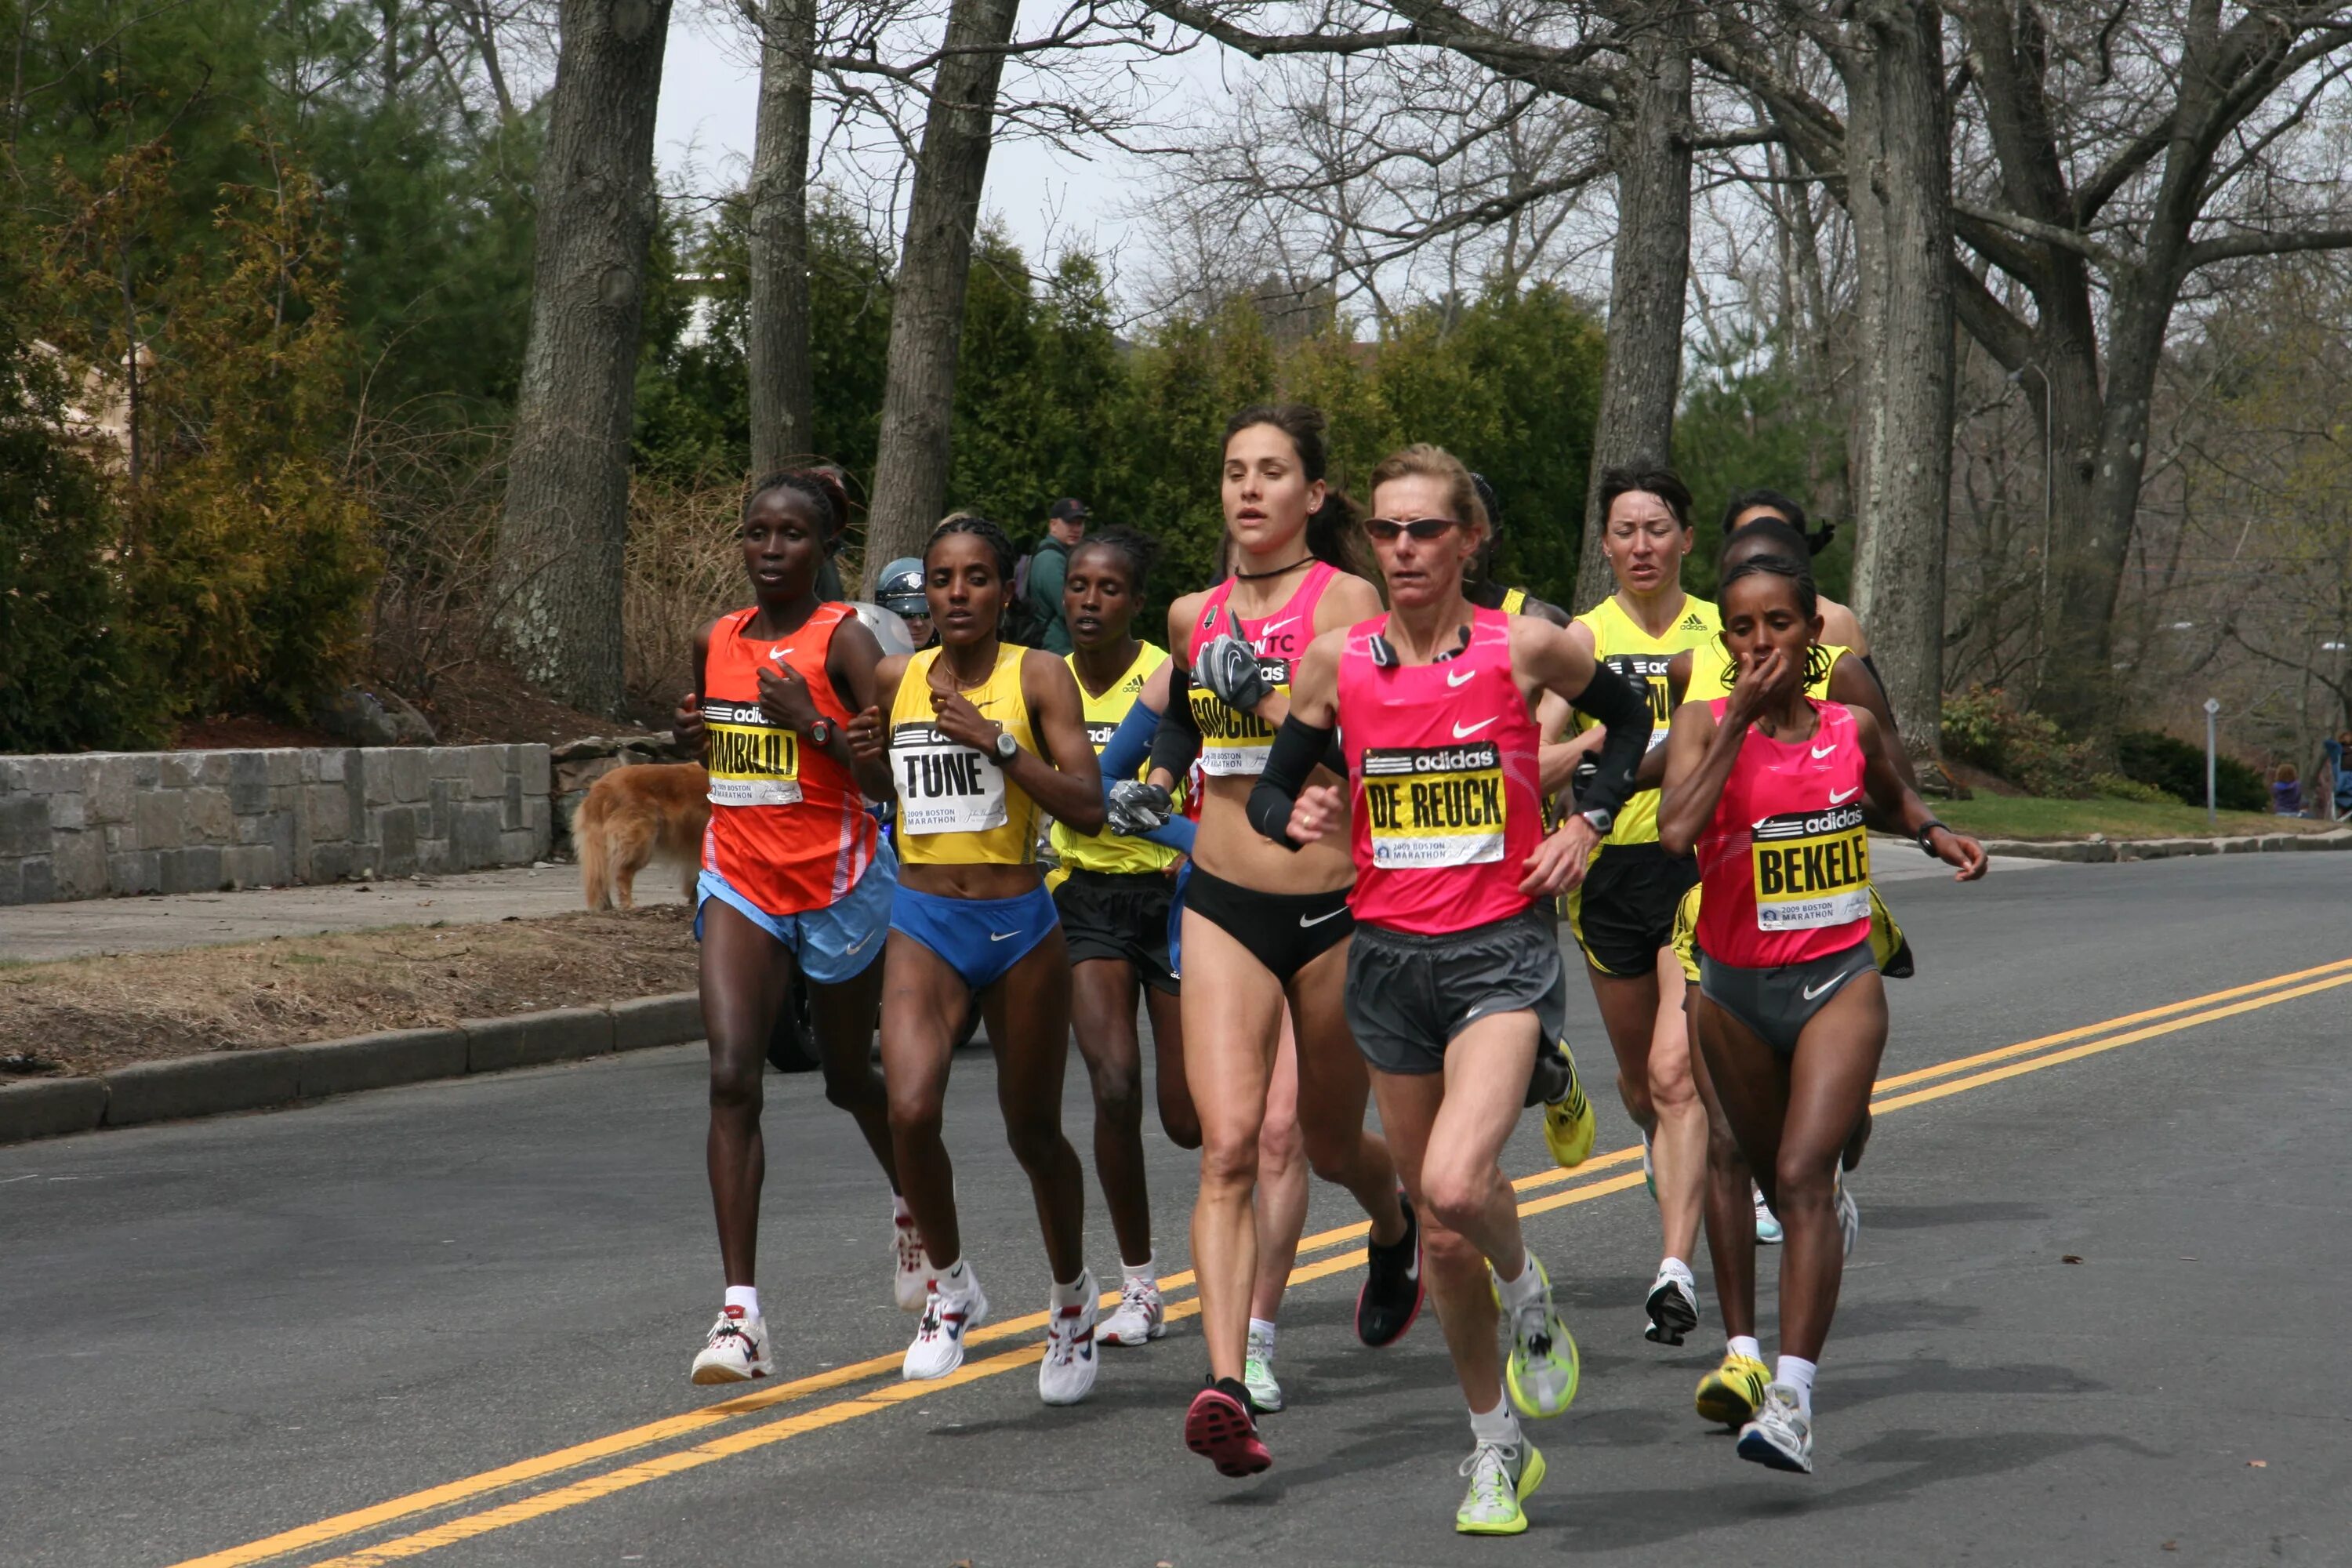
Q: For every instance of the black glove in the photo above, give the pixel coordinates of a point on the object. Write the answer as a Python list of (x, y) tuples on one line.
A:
[(1228, 667), (1137, 808)]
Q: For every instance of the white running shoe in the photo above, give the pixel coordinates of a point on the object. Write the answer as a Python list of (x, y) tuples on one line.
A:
[(1673, 1305), (1137, 1320), (1258, 1374), (1768, 1224), (1781, 1436), (938, 1349), (1849, 1218), (1068, 1374), (912, 1277), (736, 1352)]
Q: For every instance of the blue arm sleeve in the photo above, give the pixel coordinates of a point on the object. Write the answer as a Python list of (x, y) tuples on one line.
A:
[(1129, 745)]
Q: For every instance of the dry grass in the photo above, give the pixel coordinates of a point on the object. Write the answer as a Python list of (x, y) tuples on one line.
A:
[(91, 1013)]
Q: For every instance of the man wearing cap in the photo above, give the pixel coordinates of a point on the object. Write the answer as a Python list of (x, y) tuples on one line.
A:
[(1065, 529)]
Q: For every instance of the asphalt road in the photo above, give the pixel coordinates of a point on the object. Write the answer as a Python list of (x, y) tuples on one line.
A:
[(216, 1333)]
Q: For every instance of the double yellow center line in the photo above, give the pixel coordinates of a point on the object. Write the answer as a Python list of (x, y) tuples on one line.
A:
[(1890, 1094)]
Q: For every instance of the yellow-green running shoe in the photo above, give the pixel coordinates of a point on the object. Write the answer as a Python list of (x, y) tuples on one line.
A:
[(1568, 1122), (1734, 1392), (1542, 1370), (1502, 1476)]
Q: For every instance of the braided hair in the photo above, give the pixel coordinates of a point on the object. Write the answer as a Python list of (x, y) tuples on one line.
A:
[(1137, 550), (821, 486), (1800, 576)]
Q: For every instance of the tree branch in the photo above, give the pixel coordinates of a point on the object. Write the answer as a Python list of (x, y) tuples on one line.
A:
[(2228, 247)]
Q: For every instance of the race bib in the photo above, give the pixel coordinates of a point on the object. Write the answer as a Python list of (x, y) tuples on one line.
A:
[(1433, 806), (1648, 672), (752, 761), (1811, 870), (1235, 745), (944, 786)]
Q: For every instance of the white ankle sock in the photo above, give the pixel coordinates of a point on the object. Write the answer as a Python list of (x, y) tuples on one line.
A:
[(1144, 1273), (955, 1280), (1495, 1426), (1529, 1284), (1077, 1291), (1745, 1344), (1798, 1373), (898, 1209), (746, 1297), (1262, 1334)]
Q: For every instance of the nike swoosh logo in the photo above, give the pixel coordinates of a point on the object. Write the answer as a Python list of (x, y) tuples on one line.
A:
[(1458, 679), (1464, 731), (854, 948), (1304, 923), (1813, 991), (1840, 796), (1001, 935), (1271, 627), (1821, 751)]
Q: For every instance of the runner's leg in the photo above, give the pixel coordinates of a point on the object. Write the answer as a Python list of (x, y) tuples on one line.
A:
[(1232, 1008), (1028, 1014), (1102, 1007)]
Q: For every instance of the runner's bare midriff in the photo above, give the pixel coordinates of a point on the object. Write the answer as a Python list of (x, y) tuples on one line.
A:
[(1228, 847)]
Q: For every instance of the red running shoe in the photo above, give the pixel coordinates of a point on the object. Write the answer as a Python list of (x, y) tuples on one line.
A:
[(1218, 1428)]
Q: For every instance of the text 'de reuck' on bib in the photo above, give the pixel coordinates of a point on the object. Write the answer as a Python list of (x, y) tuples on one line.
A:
[(1435, 805), (1811, 870), (944, 786), (752, 761)]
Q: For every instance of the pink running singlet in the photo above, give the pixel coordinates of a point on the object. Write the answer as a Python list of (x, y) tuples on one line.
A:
[(1786, 862), (1234, 746)]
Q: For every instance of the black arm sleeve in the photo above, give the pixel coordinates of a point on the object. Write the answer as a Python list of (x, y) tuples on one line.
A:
[(1614, 701), (1297, 749), (1178, 740)]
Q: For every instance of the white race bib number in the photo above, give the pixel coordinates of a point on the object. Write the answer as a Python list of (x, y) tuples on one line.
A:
[(944, 786)]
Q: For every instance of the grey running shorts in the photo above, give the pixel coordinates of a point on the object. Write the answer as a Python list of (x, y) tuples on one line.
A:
[(1409, 995), (1779, 1002)]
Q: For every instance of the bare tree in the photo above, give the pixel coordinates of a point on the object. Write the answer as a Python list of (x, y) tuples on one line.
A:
[(778, 362), (566, 520)]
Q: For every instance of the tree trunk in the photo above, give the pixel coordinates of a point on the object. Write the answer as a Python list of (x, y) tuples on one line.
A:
[(559, 540), (910, 482), (1649, 274), (782, 394), (1898, 178)]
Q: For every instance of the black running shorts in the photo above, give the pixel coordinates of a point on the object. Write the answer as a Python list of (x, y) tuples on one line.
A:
[(1409, 995), (1122, 916), (1283, 931), (1623, 910)]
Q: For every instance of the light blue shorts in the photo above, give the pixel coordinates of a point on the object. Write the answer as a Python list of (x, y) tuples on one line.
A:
[(982, 939), (834, 944)]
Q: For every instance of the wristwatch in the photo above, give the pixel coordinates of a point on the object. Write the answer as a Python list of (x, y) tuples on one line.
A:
[(1602, 818), (1007, 748), (819, 733), (1927, 828)]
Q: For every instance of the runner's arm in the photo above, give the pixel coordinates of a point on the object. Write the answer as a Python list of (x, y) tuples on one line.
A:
[(1066, 781), (869, 733), (1303, 742), (1884, 786), (851, 660), (1129, 745)]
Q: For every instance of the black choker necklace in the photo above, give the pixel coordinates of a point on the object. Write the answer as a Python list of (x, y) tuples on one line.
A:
[(1277, 572)]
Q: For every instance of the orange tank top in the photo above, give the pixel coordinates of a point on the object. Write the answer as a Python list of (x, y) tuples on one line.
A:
[(789, 828)]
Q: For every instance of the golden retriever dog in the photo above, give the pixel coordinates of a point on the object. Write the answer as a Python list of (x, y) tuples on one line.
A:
[(631, 817)]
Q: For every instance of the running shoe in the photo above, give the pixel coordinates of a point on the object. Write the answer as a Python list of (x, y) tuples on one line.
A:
[(1218, 1428), (1257, 1376), (1569, 1124), (1068, 1374), (912, 1277), (1781, 1435), (938, 1349), (1137, 1320), (1502, 1476), (1768, 1224), (1849, 1218), (736, 1352), (1390, 1298), (1541, 1373), (1734, 1392), (1673, 1305)]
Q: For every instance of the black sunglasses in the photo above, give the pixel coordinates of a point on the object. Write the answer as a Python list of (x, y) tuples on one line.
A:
[(1425, 530)]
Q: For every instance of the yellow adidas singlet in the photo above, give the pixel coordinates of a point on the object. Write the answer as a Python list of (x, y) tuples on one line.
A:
[(955, 805), (1108, 851), (1642, 658)]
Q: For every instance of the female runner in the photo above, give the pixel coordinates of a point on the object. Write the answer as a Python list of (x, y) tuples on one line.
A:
[(793, 876), (1113, 893), (1769, 784), (1263, 926), (1454, 978), (1623, 914), (982, 735)]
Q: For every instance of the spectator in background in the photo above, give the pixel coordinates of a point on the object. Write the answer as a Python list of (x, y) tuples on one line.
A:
[(1066, 529), (2340, 752), (2286, 792)]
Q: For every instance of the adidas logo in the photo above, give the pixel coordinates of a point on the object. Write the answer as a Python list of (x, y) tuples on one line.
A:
[(1691, 623)]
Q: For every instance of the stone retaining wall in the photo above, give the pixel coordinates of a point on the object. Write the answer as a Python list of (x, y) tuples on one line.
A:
[(102, 823)]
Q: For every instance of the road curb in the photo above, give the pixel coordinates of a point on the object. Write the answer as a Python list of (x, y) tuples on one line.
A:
[(288, 1076), (2103, 851)]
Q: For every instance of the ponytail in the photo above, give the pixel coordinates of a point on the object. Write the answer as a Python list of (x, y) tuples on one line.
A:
[(1331, 531)]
